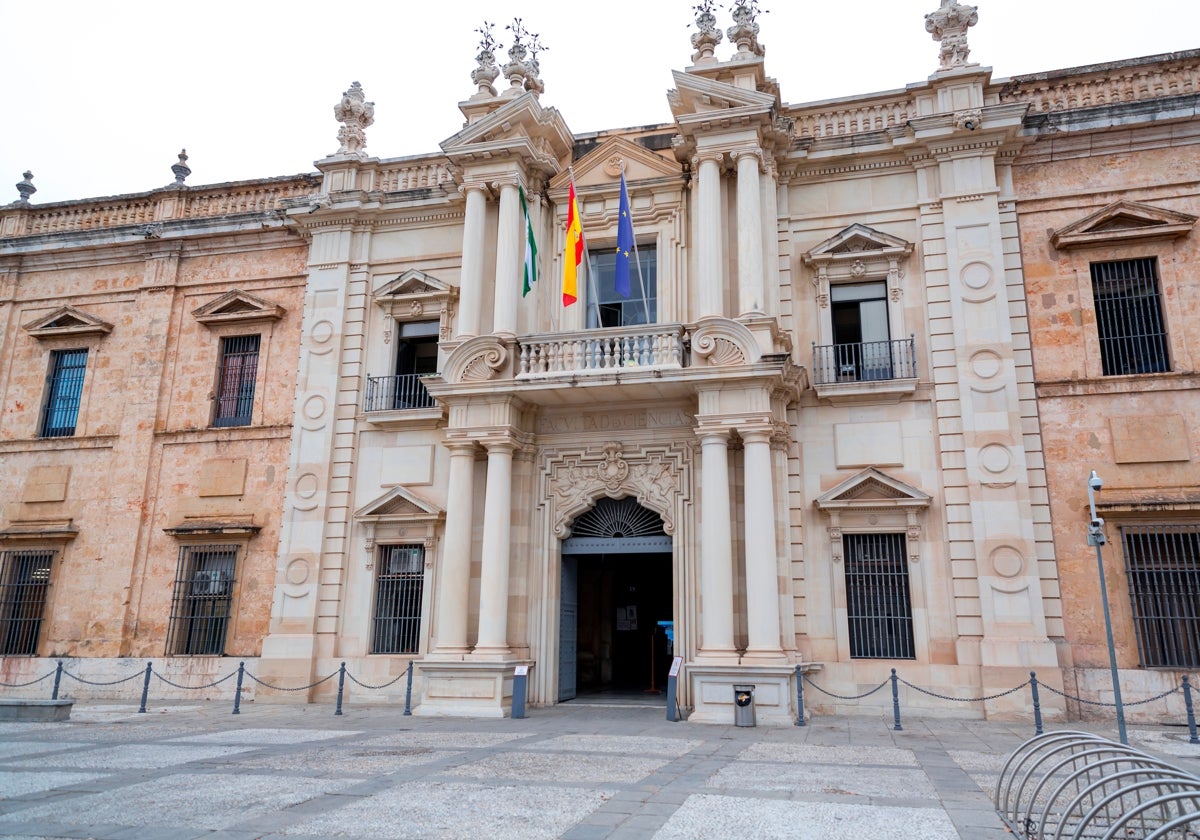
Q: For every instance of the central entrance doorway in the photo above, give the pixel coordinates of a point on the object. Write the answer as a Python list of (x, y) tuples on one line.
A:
[(616, 624)]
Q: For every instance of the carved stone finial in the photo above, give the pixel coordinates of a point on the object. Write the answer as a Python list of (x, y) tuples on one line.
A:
[(487, 71), (518, 71), (533, 82), (949, 25), (25, 187), (707, 36), (181, 169), (355, 114), (744, 31)]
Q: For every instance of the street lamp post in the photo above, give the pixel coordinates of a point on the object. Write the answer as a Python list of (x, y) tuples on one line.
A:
[(1096, 537)]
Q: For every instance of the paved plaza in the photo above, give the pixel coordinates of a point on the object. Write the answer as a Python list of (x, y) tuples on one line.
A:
[(572, 771)]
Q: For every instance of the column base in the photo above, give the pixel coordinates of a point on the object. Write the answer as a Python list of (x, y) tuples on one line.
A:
[(490, 654), (711, 692), (466, 689)]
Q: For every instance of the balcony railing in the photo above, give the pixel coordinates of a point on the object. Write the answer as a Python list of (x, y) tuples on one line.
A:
[(396, 393), (870, 361), (603, 351)]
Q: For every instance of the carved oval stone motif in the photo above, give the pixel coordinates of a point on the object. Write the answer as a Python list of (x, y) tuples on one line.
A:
[(314, 407), (986, 363), (1007, 562), (977, 275), (307, 485), (995, 458), (322, 331), (297, 571)]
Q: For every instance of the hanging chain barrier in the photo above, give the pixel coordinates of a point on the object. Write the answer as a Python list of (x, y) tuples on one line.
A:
[(147, 673), (1185, 687), (1033, 684)]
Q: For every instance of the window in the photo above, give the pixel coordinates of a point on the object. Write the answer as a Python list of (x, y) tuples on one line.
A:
[(400, 577), (416, 356), (878, 605), (861, 341), (1163, 564), (610, 309), (1129, 318), (235, 382), (24, 578), (63, 388), (203, 596)]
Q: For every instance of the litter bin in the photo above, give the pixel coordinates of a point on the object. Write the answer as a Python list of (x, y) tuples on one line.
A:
[(743, 705)]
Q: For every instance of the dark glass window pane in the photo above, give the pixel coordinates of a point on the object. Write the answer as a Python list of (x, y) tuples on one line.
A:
[(64, 388), (235, 385)]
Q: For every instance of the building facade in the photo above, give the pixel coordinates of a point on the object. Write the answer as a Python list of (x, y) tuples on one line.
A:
[(826, 427), (149, 346)]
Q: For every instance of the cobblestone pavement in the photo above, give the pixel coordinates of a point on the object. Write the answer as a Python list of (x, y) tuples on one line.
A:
[(572, 771)]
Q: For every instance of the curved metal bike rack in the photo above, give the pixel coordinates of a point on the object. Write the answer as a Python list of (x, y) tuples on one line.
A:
[(1081, 786)]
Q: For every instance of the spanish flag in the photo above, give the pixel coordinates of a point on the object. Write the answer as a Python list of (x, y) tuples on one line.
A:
[(573, 255)]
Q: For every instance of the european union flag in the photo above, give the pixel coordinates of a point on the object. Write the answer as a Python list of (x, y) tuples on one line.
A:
[(624, 245)]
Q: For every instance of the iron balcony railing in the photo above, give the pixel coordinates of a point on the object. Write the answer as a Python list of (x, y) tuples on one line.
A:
[(869, 361), (396, 393), (603, 351)]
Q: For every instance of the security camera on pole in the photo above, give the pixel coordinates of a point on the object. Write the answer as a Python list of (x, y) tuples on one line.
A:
[(1096, 537)]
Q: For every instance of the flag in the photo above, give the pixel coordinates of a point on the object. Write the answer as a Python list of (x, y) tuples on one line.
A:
[(624, 245), (573, 255), (530, 247)]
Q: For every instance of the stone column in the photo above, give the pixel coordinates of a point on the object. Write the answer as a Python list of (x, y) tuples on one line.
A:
[(508, 261), (762, 563), (497, 531), (470, 293), (710, 289), (454, 583), (716, 548), (749, 233)]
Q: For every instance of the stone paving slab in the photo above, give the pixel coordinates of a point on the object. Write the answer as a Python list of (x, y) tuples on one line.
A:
[(580, 772)]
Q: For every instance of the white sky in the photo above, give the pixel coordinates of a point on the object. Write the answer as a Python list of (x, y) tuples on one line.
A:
[(98, 97)]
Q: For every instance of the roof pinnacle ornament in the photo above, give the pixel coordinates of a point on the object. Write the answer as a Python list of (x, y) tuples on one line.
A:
[(25, 187), (949, 25), (181, 169), (707, 36), (522, 74), (486, 71), (744, 31), (355, 114)]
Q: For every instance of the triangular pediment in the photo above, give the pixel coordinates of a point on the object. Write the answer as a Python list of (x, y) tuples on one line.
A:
[(601, 167), (521, 127), (237, 307), (872, 488), (412, 283), (856, 241), (1123, 221), (67, 321), (695, 97), (399, 504)]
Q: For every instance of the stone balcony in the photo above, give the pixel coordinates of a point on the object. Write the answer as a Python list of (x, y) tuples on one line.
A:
[(602, 351)]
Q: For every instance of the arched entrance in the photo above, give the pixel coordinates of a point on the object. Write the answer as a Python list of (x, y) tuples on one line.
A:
[(616, 623)]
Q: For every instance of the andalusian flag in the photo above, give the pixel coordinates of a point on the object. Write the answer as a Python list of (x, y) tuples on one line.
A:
[(573, 255), (530, 247)]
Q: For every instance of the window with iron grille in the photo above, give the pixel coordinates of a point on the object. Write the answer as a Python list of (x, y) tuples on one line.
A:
[(24, 579), (235, 385), (1163, 564), (1133, 338), (399, 578), (64, 385), (878, 604), (202, 600)]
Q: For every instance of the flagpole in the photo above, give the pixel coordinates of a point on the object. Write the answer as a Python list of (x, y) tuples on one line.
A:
[(637, 257), (587, 259)]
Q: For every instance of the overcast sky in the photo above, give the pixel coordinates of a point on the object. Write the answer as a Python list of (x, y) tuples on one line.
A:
[(98, 97)]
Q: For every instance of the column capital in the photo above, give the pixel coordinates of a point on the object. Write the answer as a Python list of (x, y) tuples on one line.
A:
[(498, 184), (748, 152), (715, 156), (460, 446), (758, 433), (501, 445), (475, 186), (713, 433)]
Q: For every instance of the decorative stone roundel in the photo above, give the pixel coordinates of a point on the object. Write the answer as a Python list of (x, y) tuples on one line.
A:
[(986, 363), (995, 458), (977, 275), (1007, 562)]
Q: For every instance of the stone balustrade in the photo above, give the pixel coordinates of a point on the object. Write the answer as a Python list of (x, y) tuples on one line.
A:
[(1110, 84), (602, 351), (390, 178), (162, 205), (822, 121)]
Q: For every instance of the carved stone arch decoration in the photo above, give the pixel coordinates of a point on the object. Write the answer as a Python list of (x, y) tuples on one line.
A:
[(872, 501), (478, 360), (399, 516), (720, 342), (652, 476), (417, 296)]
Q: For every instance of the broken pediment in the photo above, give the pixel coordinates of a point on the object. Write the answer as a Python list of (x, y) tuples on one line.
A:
[(601, 167), (67, 321), (872, 489), (520, 127), (1123, 221), (695, 97), (237, 307)]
